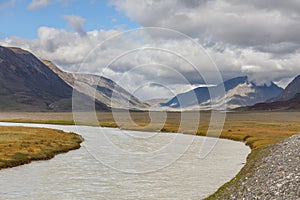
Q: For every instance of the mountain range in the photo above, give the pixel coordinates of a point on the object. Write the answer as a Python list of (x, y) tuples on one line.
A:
[(102, 89), (289, 99), (238, 91), (29, 84)]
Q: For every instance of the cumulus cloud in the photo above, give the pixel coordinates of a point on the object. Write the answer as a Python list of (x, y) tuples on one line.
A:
[(76, 23), (261, 34), (237, 22), (128, 58), (138, 58), (259, 39), (35, 4)]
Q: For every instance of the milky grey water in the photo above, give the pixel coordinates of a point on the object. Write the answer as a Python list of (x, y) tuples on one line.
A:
[(116, 164)]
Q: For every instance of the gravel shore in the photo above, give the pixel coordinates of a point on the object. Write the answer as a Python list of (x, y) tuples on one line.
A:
[(275, 174)]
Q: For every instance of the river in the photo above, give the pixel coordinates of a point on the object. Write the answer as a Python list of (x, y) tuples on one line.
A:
[(119, 164)]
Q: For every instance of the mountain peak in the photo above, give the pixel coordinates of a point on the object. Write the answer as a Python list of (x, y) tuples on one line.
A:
[(107, 91), (232, 83), (18, 50), (29, 84), (239, 92), (290, 91)]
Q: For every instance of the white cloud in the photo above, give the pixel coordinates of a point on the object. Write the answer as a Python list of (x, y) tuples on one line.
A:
[(254, 38), (236, 22), (76, 23), (35, 4), (146, 59), (283, 83), (143, 58)]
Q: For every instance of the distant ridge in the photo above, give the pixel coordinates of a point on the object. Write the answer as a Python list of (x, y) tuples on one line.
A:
[(102, 89), (290, 91), (239, 92), (289, 99)]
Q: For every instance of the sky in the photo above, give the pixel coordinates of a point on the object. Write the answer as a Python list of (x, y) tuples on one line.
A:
[(23, 17), (159, 48)]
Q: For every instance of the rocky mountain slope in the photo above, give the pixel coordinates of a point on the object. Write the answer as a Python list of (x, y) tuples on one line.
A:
[(156, 102), (239, 92), (290, 91), (27, 84), (291, 104), (289, 99), (98, 87)]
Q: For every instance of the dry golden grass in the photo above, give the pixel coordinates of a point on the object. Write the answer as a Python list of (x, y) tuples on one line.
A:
[(20, 145), (256, 129)]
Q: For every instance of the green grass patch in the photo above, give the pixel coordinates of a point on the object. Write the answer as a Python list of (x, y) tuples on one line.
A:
[(20, 156)]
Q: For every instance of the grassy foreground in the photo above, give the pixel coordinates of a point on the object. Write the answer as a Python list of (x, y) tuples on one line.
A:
[(258, 130), (21, 145)]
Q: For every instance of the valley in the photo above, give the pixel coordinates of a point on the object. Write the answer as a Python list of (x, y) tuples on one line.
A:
[(37, 91), (149, 99), (255, 128)]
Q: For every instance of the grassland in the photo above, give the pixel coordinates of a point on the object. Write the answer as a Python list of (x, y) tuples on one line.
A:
[(21, 145), (258, 130)]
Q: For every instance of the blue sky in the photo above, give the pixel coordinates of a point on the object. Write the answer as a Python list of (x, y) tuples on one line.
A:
[(18, 19), (259, 39)]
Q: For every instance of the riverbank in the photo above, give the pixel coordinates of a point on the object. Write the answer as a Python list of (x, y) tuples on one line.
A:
[(271, 172), (21, 145), (100, 167), (255, 129), (259, 130)]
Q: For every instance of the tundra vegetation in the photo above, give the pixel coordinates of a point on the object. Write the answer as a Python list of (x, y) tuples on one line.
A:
[(257, 129), (21, 145)]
